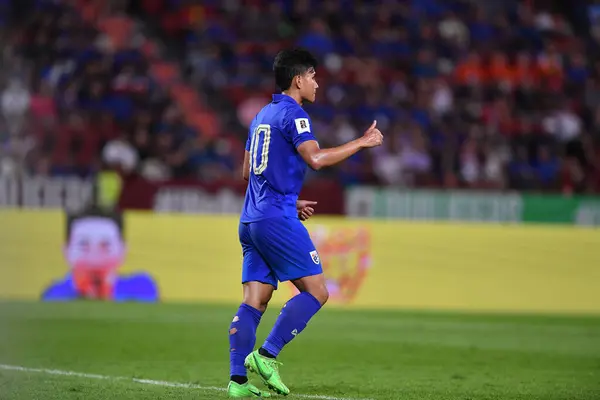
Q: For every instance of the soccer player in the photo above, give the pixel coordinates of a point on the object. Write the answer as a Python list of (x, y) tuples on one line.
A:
[(275, 244)]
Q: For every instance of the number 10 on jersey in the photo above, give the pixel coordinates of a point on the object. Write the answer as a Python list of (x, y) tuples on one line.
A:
[(259, 148)]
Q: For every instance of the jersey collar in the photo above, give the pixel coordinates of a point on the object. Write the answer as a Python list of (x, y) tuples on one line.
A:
[(283, 97)]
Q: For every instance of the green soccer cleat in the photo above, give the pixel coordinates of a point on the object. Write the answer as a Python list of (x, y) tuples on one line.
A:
[(268, 369), (246, 390)]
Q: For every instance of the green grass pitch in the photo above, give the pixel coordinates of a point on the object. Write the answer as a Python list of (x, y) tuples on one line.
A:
[(179, 351)]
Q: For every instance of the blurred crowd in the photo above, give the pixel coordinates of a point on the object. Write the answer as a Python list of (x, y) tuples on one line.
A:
[(470, 94)]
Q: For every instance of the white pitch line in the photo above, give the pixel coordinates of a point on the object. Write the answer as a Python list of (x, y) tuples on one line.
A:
[(151, 381)]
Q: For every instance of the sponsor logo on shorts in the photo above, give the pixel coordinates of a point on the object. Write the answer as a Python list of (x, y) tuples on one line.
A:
[(315, 256)]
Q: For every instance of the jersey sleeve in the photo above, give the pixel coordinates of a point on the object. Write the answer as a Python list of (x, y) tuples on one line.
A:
[(299, 127)]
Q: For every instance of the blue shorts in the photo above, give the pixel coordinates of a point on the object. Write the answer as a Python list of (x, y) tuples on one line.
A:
[(277, 249)]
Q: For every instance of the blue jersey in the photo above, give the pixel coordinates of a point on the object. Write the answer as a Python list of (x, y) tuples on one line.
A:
[(276, 168)]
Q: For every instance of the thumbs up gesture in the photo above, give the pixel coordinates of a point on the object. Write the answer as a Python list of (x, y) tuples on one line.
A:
[(372, 136)]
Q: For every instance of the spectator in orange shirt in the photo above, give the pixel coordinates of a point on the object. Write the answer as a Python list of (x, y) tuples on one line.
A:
[(500, 72), (525, 72), (471, 71)]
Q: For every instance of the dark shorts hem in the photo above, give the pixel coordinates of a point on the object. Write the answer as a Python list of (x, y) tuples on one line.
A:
[(256, 280)]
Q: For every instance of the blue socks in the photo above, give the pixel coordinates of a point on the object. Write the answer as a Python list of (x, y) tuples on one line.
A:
[(293, 318), (242, 337)]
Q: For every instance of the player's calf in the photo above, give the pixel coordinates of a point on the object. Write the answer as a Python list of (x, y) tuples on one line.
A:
[(296, 313), (292, 320), (242, 337), (242, 331)]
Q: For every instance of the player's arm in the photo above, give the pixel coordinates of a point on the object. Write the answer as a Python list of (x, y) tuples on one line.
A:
[(318, 158), (246, 167)]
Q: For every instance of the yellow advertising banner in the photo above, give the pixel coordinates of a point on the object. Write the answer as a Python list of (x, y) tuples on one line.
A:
[(373, 264)]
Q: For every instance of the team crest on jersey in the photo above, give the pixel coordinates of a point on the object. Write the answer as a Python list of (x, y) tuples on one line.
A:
[(302, 125), (345, 256), (315, 256)]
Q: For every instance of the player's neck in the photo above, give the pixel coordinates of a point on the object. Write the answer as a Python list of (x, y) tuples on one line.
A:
[(294, 95)]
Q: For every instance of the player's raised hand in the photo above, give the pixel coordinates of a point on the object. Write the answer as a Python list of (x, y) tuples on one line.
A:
[(305, 210), (372, 136)]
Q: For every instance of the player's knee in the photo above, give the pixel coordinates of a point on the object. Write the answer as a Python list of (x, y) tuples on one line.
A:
[(320, 293), (258, 302), (260, 305), (257, 295), (315, 285)]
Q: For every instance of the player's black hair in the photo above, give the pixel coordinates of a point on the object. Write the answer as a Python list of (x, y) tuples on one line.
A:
[(290, 63), (97, 212)]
